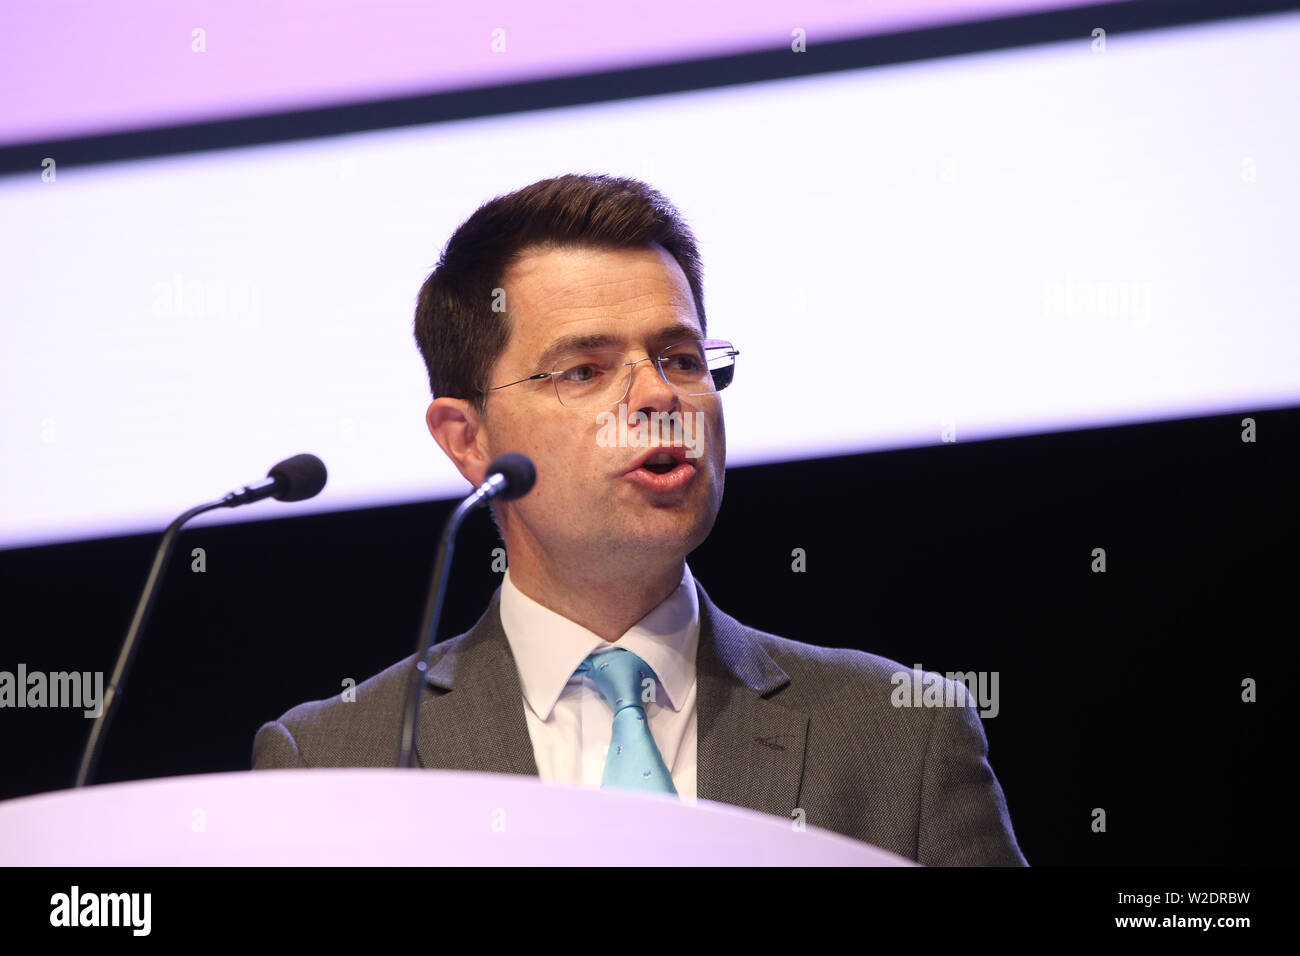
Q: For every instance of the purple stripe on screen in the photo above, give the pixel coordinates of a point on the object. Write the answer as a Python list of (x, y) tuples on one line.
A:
[(70, 68)]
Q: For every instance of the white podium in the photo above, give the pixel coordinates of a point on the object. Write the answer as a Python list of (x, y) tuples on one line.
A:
[(358, 817)]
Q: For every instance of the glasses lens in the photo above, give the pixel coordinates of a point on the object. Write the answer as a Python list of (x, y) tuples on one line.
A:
[(589, 379), (599, 378), (699, 368)]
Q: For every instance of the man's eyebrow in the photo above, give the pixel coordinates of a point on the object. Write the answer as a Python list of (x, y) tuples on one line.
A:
[(605, 340), (672, 333), (577, 343)]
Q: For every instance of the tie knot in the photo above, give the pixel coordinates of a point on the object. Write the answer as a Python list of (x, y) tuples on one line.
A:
[(619, 675)]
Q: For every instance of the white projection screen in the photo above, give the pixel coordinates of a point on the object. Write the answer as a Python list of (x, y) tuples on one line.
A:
[(995, 244)]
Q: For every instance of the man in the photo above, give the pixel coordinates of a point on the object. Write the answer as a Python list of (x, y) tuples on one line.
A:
[(560, 320)]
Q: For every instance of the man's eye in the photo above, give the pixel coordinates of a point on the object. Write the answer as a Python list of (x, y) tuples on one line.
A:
[(580, 373)]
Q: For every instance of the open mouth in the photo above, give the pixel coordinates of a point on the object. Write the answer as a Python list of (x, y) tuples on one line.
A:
[(663, 473), (660, 464)]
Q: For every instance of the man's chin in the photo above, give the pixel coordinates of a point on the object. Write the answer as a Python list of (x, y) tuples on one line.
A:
[(658, 532), (665, 532)]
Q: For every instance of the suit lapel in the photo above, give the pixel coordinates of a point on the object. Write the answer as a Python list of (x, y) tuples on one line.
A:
[(472, 717), (750, 749)]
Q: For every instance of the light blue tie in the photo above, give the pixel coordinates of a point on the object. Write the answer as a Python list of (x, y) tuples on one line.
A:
[(633, 760)]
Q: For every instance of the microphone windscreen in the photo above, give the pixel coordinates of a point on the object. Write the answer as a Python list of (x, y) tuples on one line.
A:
[(298, 478), (518, 471)]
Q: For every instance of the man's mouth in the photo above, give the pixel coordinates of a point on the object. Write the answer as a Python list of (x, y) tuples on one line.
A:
[(662, 470), (660, 464), (661, 459)]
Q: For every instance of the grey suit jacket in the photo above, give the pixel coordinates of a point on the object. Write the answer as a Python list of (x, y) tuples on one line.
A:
[(782, 726)]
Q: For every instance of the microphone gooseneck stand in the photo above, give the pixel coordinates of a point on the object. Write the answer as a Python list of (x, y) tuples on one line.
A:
[(90, 755), (294, 479), (510, 476)]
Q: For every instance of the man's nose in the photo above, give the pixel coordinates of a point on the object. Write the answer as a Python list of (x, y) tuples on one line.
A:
[(649, 392)]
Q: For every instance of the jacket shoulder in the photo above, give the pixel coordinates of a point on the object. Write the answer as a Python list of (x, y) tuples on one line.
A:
[(829, 668), (359, 726), (872, 733), (365, 697)]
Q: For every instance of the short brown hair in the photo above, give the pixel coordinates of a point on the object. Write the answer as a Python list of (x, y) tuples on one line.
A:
[(458, 333)]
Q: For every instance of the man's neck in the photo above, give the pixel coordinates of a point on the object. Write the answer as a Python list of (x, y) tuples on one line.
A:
[(604, 601)]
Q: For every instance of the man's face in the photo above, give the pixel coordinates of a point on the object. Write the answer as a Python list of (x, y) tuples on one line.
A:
[(588, 501)]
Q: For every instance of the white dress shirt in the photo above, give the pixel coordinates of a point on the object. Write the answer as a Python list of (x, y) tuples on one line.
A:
[(569, 720)]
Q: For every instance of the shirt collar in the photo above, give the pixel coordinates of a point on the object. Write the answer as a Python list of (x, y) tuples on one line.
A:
[(548, 647)]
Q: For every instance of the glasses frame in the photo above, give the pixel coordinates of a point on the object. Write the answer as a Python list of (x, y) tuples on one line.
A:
[(705, 345)]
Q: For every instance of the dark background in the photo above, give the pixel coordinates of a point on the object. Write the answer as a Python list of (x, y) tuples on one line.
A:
[(1119, 690)]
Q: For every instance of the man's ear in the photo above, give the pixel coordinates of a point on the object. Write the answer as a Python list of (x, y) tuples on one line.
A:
[(457, 427)]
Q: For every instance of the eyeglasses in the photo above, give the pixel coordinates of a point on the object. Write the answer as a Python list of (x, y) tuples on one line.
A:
[(596, 378)]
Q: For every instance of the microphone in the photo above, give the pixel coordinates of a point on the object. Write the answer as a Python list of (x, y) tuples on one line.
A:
[(294, 479), (510, 476)]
